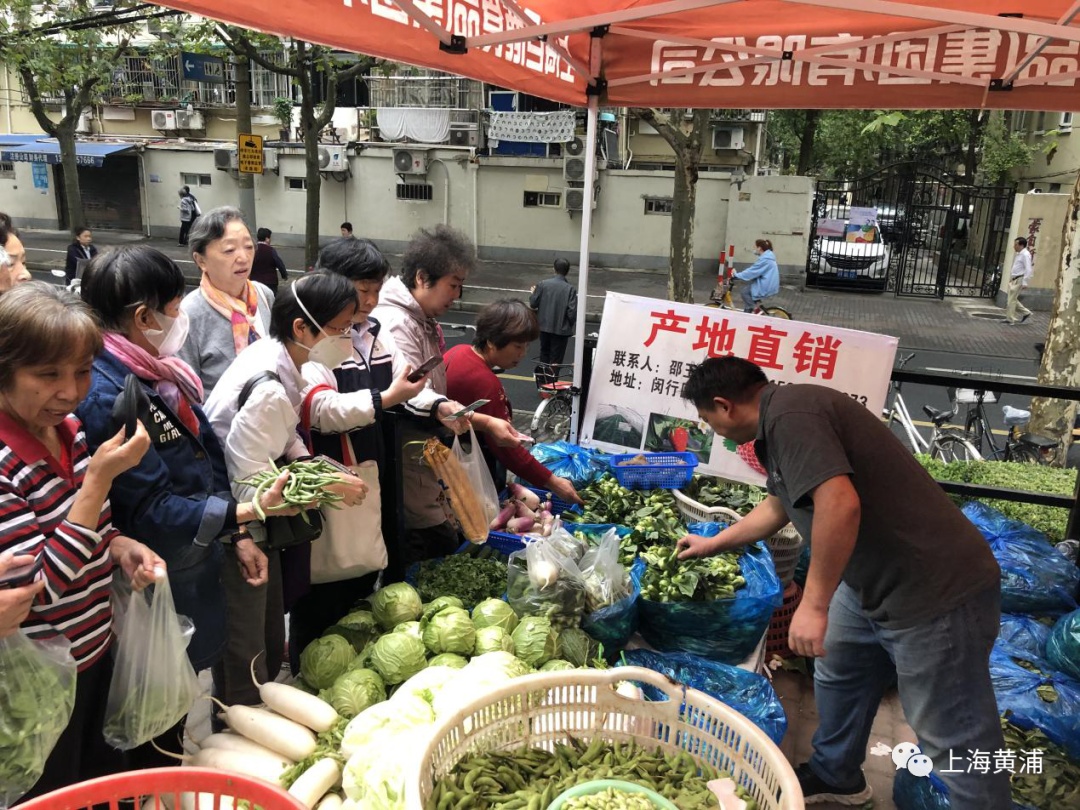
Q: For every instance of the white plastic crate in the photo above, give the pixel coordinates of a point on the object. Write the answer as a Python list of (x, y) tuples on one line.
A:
[(695, 512), (542, 709)]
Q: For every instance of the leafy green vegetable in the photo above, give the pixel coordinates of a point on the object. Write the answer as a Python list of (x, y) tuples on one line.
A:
[(471, 577), (709, 491), (355, 636), (534, 641), (437, 604), (577, 647), (491, 639), (412, 628), (494, 613), (395, 604), (556, 664), (398, 656), (360, 620), (355, 691), (452, 660), (702, 579), (1056, 784), (450, 631), (325, 659)]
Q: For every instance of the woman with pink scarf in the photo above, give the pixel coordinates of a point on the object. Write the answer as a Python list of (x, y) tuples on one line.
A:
[(177, 500)]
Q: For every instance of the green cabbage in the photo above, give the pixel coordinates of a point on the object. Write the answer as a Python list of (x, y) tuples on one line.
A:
[(452, 660), (412, 628), (360, 620), (374, 724), (325, 659), (534, 641), (398, 656), (490, 639), (556, 664), (578, 647), (494, 613), (450, 631), (484, 673), (395, 604), (400, 727), (355, 691), (437, 604), (358, 638), (426, 683)]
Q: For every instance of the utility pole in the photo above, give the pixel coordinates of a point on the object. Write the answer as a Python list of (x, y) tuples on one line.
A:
[(245, 182)]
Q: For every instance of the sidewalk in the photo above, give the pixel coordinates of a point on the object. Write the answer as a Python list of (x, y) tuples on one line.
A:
[(962, 325)]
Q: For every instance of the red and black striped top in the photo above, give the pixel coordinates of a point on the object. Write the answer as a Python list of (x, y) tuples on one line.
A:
[(36, 493)]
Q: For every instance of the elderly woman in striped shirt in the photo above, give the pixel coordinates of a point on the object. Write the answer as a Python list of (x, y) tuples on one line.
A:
[(54, 504)]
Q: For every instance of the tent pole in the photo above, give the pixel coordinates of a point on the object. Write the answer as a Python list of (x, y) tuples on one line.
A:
[(583, 261)]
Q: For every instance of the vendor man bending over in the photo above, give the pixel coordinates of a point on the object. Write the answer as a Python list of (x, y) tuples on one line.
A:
[(899, 579)]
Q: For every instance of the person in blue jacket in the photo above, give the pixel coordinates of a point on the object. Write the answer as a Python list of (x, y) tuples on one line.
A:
[(764, 274), (177, 500)]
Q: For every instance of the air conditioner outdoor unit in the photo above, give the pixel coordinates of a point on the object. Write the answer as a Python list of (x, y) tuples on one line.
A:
[(225, 159), (574, 148), (728, 138), (574, 199), (189, 120), (574, 169), (410, 161), (332, 159), (348, 134), (163, 119), (83, 127), (464, 135)]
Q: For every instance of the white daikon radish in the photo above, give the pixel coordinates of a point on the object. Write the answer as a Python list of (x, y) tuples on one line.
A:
[(277, 733), (331, 801), (313, 783), (296, 704), (230, 741), (269, 769)]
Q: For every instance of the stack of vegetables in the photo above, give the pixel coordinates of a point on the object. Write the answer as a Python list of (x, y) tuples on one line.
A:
[(711, 492), (523, 512)]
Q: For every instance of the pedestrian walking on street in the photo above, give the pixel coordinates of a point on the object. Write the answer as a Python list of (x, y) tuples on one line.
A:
[(189, 212), (79, 253), (555, 300), (1019, 278), (901, 584), (268, 264), (346, 230)]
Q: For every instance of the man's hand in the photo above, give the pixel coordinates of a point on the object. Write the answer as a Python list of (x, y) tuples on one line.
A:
[(447, 409), (563, 488), (806, 637), (694, 545), (252, 562), (141, 565), (15, 602), (401, 390), (500, 432)]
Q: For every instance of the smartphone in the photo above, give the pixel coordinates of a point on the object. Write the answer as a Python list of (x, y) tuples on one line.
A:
[(132, 404), (23, 575), (428, 365), (480, 403)]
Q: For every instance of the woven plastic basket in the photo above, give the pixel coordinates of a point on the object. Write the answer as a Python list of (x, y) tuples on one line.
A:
[(542, 709), (162, 788), (695, 512), (664, 470), (785, 547), (776, 637)]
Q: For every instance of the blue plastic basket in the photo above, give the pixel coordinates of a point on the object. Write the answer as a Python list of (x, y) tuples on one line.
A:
[(664, 470)]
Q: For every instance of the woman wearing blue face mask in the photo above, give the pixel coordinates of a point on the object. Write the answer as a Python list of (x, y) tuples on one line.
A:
[(255, 412), (177, 500), (762, 278)]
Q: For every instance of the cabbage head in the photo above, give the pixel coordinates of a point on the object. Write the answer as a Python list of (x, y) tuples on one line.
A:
[(578, 647), (452, 660), (360, 620), (376, 723), (325, 659), (395, 604), (494, 613), (484, 673), (534, 641), (412, 628), (440, 602), (398, 656), (556, 665), (490, 639), (425, 684), (450, 631), (355, 691)]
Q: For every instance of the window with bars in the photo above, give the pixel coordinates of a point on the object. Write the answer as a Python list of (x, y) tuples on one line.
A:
[(543, 199), (296, 184), (417, 192), (658, 205), (194, 180)]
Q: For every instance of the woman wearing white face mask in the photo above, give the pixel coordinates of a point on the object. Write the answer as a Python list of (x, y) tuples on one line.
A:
[(310, 320), (177, 500)]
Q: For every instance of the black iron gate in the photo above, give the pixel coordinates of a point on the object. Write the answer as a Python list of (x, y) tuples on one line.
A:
[(910, 230)]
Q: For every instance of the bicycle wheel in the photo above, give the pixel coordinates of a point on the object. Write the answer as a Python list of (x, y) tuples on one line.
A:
[(1024, 454), (953, 448), (777, 312), (551, 422)]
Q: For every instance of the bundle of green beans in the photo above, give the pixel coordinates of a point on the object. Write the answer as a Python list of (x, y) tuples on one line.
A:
[(306, 485), (531, 778)]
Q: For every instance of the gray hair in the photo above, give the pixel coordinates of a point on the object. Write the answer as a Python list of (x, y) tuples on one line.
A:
[(210, 227)]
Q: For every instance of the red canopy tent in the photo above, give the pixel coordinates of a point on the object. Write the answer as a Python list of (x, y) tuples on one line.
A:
[(918, 54)]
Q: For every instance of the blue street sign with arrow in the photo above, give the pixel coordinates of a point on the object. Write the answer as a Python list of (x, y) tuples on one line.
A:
[(200, 68)]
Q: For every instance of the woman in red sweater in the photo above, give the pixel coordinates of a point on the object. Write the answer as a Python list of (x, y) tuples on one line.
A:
[(504, 330)]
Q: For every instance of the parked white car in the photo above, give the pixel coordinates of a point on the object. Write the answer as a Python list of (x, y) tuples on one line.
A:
[(850, 260)]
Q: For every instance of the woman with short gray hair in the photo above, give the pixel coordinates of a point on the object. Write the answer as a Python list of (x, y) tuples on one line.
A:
[(228, 312)]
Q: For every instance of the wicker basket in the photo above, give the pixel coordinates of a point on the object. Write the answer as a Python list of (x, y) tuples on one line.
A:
[(542, 709), (776, 637), (694, 512), (785, 546)]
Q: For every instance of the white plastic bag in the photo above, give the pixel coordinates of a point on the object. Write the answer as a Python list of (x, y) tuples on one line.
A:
[(153, 684), (606, 580), (37, 694), (479, 476)]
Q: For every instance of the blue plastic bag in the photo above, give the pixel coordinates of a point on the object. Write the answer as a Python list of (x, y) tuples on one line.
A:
[(1063, 645), (1035, 576), (911, 792), (581, 465), (1015, 689), (725, 630), (1024, 633), (748, 693), (613, 625)]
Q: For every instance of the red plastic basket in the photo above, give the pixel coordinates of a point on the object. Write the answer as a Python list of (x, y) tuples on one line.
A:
[(776, 638), (163, 786)]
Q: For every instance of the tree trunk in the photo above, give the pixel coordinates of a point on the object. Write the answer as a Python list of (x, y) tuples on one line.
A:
[(65, 135), (310, 130), (1061, 358), (806, 142), (245, 183), (683, 203)]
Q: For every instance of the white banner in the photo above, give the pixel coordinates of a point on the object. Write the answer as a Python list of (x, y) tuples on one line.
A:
[(647, 348)]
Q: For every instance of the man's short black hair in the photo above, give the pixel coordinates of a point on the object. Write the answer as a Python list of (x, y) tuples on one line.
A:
[(347, 226), (438, 252), (263, 234), (1022, 241), (730, 378), (562, 267)]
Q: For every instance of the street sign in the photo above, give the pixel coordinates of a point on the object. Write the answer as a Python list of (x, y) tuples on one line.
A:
[(200, 68), (249, 154)]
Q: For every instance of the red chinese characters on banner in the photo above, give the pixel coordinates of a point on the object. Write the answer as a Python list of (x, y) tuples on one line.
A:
[(816, 355), (765, 346), (717, 338), (668, 321)]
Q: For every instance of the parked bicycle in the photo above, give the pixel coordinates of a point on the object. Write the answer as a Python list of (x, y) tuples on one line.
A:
[(721, 298), (554, 383), (945, 443), (1022, 447)]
